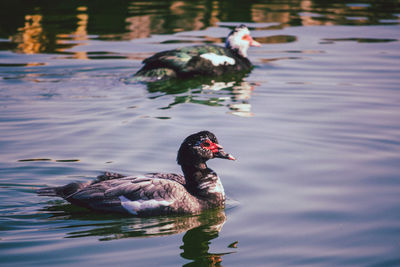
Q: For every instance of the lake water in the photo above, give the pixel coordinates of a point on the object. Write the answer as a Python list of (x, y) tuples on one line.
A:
[(315, 128)]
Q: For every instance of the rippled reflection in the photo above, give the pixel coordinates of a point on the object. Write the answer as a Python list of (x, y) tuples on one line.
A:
[(200, 229), (119, 226), (233, 92), (49, 27)]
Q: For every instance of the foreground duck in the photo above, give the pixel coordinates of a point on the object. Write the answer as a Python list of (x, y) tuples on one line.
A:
[(201, 60), (156, 193)]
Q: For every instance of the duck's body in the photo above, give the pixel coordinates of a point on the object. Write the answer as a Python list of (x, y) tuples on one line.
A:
[(156, 193), (201, 60)]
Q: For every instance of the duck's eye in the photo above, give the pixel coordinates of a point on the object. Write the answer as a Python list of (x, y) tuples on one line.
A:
[(206, 144)]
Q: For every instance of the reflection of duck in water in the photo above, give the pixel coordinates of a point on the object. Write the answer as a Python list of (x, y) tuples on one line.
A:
[(240, 93), (196, 242), (117, 227), (157, 193), (200, 230), (201, 60), (219, 91)]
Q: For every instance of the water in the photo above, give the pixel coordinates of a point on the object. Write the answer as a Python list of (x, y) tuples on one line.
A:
[(315, 127)]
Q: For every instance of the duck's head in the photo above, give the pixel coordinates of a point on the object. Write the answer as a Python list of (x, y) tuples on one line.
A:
[(197, 148), (240, 40)]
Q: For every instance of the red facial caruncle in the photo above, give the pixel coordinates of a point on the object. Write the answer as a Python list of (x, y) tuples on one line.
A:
[(214, 147), (252, 42)]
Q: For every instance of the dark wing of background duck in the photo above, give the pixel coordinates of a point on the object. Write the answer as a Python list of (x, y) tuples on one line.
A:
[(188, 62)]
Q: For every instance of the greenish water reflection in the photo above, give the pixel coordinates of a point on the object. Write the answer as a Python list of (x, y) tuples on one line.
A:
[(200, 229), (55, 27), (231, 91)]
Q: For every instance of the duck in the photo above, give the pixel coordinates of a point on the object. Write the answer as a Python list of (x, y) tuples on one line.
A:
[(201, 60), (153, 194)]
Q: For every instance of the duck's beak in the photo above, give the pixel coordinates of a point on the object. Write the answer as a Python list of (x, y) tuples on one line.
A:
[(254, 43), (221, 154), (251, 41)]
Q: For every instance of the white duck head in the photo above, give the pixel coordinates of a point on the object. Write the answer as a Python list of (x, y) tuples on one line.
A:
[(239, 39)]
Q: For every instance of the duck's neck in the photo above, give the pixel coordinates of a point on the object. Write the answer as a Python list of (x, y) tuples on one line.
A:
[(239, 57), (203, 182), (237, 50), (195, 175)]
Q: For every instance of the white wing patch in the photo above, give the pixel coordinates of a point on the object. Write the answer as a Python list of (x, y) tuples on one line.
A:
[(217, 60), (134, 207), (218, 188), (212, 187)]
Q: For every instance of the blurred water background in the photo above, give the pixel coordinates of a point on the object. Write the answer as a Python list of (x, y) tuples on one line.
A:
[(315, 127)]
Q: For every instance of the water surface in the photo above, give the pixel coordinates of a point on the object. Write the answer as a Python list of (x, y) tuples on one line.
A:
[(315, 127)]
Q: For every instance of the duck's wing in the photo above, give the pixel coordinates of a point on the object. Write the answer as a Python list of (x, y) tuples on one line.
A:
[(136, 195), (109, 176), (178, 59), (146, 188), (169, 176), (70, 189)]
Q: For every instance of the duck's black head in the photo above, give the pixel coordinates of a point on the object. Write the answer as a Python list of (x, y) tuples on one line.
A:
[(200, 147), (239, 40)]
